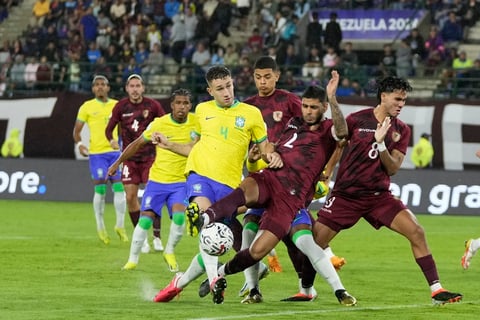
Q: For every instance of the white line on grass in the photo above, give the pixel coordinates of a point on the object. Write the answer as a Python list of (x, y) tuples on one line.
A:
[(313, 312)]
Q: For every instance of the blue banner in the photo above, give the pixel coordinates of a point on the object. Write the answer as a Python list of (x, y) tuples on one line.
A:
[(374, 24)]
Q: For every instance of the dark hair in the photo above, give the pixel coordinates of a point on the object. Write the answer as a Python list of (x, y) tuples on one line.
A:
[(181, 92), (315, 92), (217, 72), (391, 84), (266, 62)]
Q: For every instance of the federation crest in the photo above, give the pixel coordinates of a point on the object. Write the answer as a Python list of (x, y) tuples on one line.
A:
[(239, 122), (197, 188), (396, 136), (145, 113), (277, 116)]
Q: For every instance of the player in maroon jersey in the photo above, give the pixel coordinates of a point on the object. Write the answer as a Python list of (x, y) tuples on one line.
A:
[(133, 114), (305, 146), (378, 141)]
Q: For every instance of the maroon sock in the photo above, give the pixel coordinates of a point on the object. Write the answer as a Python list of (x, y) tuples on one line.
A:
[(156, 226), (241, 261), (227, 206), (134, 216), (429, 269)]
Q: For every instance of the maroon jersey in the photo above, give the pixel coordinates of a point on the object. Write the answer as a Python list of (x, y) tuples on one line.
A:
[(304, 153), (276, 110), (133, 119), (361, 171)]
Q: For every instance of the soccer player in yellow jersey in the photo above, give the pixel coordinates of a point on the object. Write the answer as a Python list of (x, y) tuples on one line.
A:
[(166, 178), (95, 114), (215, 161)]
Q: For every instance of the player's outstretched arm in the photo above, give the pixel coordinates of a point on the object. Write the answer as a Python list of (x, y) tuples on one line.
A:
[(339, 123), (129, 151), (180, 148)]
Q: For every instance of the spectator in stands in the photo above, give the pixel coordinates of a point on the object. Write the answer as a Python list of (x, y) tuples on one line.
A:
[(435, 51), (301, 7), (17, 49), (155, 63), (5, 52), (222, 16), (154, 36), (57, 9), (474, 80), (357, 88), (243, 78), (41, 9), (255, 39), (188, 6), (349, 58), (93, 53), (141, 54), (470, 14), (44, 74), (462, 66), (403, 60), (201, 58), (117, 11), (345, 88), (191, 22), (111, 54), (101, 67), (243, 7), (291, 60), (178, 38), (17, 72), (253, 53), (231, 56), (314, 33), (130, 68), (88, 26), (387, 66), (330, 60), (105, 27), (5, 84), (313, 65), (452, 32), (333, 33), (218, 56), (417, 46), (74, 72)]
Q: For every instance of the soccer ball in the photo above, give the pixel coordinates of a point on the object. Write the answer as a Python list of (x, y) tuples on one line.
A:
[(216, 239)]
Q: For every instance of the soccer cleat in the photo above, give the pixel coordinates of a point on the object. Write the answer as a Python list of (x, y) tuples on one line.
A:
[(194, 219), (204, 288), (262, 274), (170, 291), (468, 255), (345, 298), (218, 287), (122, 234), (103, 235), (171, 261), (274, 264), (157, 244), (145, 247), (442, 296), (299, 297), (338, 262), (253, 297), (129, 266)]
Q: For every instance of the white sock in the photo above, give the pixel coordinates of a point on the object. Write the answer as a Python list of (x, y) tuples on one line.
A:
[(320, 262), (176, 233), (138, 238), (328, 251), (194, 271), (251, 273), (99, 209), (211, 265), (272, 253), (120, 204), (475, 244)]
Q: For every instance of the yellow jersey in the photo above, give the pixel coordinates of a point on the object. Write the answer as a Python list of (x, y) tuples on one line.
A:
[(225, 136)]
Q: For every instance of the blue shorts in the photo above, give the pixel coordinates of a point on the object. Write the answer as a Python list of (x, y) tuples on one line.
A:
[(99, 164), (302, 217), (156, 195), (200, 186)]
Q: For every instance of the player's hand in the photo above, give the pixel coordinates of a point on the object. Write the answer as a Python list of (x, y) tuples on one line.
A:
[(114, 144), (160, 140), (274, 160), (333, 84), (83, 150), (382, 129), (112, 170), (254, 154)]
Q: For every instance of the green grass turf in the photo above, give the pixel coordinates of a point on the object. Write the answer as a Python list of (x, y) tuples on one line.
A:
[(54, 267)]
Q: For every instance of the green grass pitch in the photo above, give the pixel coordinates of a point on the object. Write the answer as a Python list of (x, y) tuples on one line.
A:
[(54, 267)]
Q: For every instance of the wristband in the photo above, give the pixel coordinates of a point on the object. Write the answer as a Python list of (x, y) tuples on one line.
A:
[(78, 144), (381, 146)]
